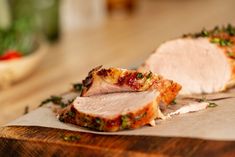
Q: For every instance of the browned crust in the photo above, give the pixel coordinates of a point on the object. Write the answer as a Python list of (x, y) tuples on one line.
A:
[(134, 80), (168, 91), (130, 120)]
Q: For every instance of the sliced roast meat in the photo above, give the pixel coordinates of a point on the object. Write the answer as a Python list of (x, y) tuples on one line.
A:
[(113, 112), (112, 80), (201, 63)]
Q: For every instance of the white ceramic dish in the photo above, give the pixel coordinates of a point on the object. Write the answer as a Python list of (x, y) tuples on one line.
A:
[(15, 70)]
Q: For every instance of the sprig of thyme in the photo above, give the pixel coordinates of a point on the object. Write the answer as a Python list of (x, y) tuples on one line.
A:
[(210, 105), (56, 100), (229, 29)]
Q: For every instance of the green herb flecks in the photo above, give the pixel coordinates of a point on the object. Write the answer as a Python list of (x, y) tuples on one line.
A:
[(149, 75), (61, 118), (77, 87), (203, 99), (98, 120), (125, 121), (221, 42), (174, 102), (203, 33), (70, 138), (219, 35), (229, 29), (26, 109), (57, 100), (71, 114), (140, 116), (99, 123), (211, 105), (231, 54), (139, 76)]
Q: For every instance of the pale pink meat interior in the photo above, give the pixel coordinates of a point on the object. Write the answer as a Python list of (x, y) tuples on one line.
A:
[(198, 65), (115, 103)]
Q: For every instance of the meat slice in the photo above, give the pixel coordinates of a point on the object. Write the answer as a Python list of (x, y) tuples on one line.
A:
[(113, 112), (112, 80), (201, 63)]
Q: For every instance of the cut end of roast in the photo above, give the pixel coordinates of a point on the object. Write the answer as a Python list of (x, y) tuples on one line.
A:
[(115, 80), (197, 64), (113, 112)]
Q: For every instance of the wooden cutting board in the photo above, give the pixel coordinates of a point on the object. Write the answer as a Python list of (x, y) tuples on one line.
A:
[(41, 141)]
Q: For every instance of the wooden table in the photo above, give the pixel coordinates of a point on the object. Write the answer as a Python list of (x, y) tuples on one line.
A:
[(119, 41)]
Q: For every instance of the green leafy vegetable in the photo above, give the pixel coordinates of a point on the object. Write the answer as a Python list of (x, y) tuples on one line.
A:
[(71, 114)]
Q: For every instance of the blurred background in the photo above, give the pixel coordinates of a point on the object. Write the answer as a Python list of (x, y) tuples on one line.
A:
[(46, 45)]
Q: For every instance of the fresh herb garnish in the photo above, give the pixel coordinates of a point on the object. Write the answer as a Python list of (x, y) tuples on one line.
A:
[(221, 42), (26, 109), (229, 29), (219, 35), (61, 118), (211, 105), (70, 138), (98, 120), (174, 102), (203, 99), (99, 123), (125, 121), (203, 33), (71, 114), (139, 76), (149, 75), (77, 87), (57, 100), (231, 54)]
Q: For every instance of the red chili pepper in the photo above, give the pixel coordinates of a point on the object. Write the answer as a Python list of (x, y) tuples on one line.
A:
[(11, 54)]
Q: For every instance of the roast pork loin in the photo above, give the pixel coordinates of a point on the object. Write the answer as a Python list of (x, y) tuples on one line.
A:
[(201, 63), (114, 111), (113, 80)]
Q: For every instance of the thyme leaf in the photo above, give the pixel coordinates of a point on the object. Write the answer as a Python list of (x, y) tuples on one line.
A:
[(174, 102), (231, 54), (56, 100), (77, 87), (71, 114), (26, 109), (125, 121), (211, 105), (149, 75), (139, 76)]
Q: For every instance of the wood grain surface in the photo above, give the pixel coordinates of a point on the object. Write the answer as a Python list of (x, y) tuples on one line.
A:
[(41, 141)]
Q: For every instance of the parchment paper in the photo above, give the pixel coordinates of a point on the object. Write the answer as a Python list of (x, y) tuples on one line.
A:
[(216, 123)]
